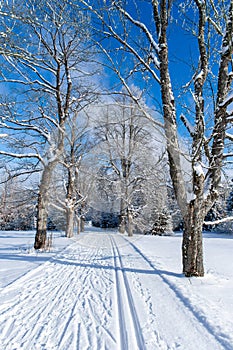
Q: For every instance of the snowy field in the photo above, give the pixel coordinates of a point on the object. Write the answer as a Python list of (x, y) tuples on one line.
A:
[(105, 291)]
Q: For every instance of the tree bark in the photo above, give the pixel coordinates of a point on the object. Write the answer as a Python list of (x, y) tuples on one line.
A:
[(43, 197), (122, 216), (192, 245), (70, 215), (42, 207), (42, 215), (70, 199), (122, 223), (192, 213), (169, 113), (82, 223), (130, 223)]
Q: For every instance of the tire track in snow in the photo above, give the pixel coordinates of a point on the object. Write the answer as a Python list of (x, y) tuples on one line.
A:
[(219, 338), (129, 326)]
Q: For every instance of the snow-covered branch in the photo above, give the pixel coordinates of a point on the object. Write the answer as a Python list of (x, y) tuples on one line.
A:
[(22, 155), (123, 41), (215, 25), (140, 25), (61, 209), (220, 221), (18, 125), (229, 136), (187, 124)]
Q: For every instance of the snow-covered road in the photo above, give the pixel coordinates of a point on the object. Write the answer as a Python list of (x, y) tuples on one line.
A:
[(102, 292)]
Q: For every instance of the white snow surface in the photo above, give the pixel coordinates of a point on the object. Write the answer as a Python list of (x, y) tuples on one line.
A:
[(105, 291)]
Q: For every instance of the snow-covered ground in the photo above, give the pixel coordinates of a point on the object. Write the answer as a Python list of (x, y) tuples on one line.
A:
[(105, 291)]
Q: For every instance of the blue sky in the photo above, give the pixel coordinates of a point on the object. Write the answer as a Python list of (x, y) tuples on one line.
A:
[(183, 50), (182, 53)]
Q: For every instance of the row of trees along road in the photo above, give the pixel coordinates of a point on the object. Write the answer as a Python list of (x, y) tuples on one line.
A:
[(50, 50)]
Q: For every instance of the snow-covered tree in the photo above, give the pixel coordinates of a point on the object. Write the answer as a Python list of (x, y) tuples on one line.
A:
[(66, 190), (127, 154)]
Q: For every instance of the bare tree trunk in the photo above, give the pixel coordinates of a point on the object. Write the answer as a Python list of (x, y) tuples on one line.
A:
[(42, 215), (70, 201), (82, 217), (70, 215), (78, 225), (42, 207), (43, 197), (82, 223), (198, 208), (193, 213), (122, 223), (192, 245), (169, 113), (130, 223), (122, 216)]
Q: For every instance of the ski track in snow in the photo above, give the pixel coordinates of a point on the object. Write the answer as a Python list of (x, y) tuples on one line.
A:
[(130, 334), (101, 293)]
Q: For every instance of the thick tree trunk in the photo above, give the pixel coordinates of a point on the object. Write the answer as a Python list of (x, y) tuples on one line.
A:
[(122, 223), (169, 112), (71, 197), (78, 220), (122, 217), (70, 215), (130, 223), (192, 246), (43, 203), (192, 213), (42, 207), (42, 216), (82, 223)]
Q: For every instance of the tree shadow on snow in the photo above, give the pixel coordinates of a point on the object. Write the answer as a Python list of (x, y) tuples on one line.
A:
[(19, 257), (153, 271)]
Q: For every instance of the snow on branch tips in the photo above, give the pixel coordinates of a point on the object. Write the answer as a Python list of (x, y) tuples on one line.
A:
[(187, 124), (229, 136), (220, 221)]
